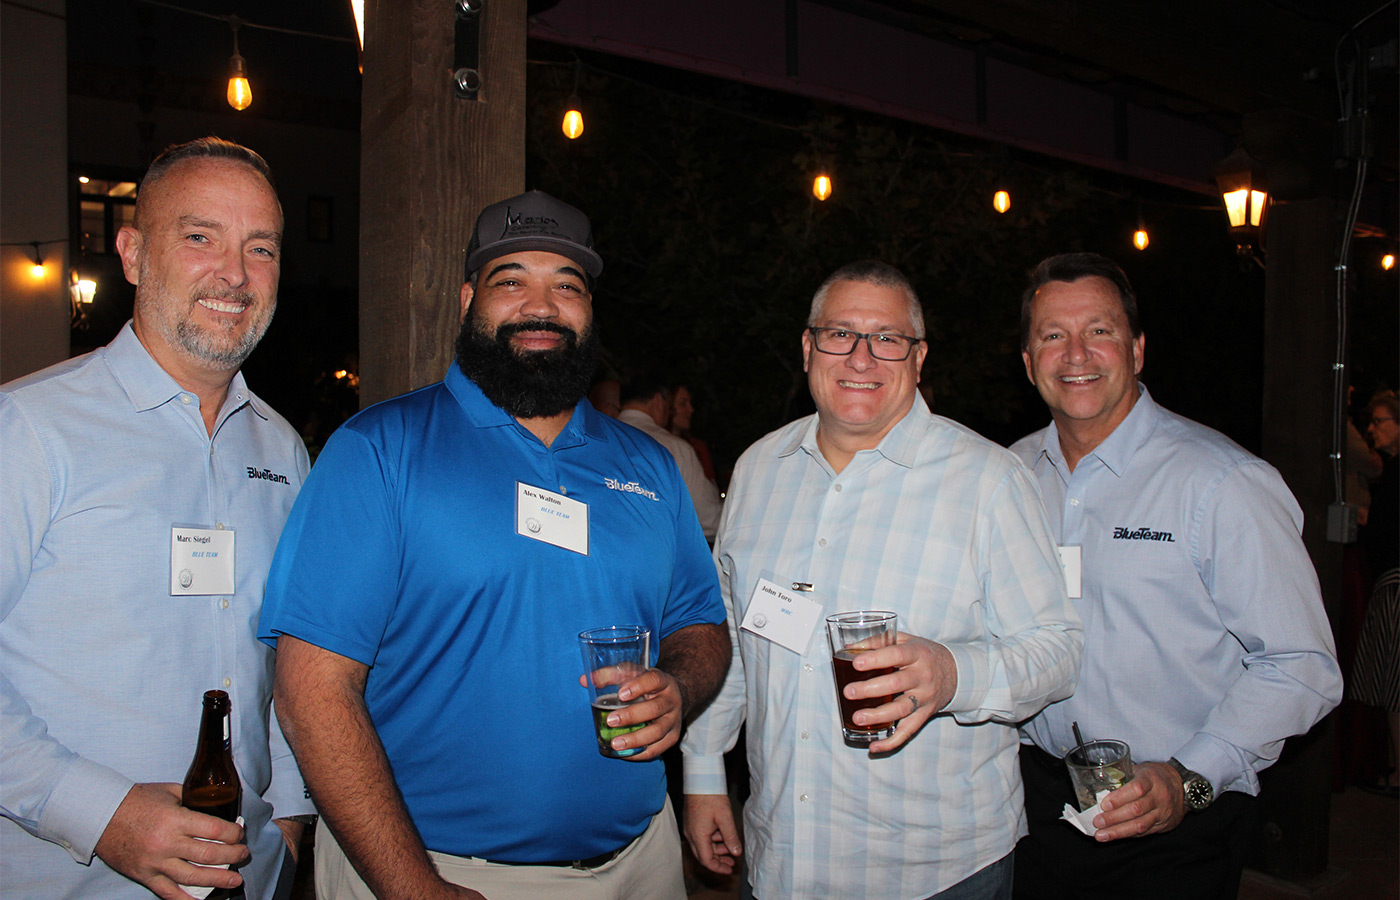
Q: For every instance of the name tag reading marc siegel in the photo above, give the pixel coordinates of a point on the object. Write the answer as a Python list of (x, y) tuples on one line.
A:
[(543, 515), (782, 616), (201, 561)]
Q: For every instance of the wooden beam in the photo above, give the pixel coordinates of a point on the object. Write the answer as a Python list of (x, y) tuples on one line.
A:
[(429, 163)]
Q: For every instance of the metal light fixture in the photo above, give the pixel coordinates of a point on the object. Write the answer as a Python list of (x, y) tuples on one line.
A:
[(1001, 201), (240, 93), (821, 186), (1241, 183), (81, 292)]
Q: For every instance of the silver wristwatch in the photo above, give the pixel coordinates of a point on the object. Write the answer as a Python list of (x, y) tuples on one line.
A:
[(1199, 792)]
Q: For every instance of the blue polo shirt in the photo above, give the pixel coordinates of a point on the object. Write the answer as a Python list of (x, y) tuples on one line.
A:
[(402, 553)]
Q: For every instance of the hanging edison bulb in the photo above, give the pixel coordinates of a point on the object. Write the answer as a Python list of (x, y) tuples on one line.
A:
[(240, 94), (572, 125), (1140, 238), (821, 186), (1001, 201), (1388, 261)]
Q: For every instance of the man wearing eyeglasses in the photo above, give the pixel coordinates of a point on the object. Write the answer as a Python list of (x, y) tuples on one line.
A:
[(875, 503)]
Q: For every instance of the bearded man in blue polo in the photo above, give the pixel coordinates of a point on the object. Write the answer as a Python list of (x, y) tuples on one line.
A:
[(426, 611)]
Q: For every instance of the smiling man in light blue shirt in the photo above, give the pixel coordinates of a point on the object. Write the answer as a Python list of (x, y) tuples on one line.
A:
[(108, 635), (1206, 644)]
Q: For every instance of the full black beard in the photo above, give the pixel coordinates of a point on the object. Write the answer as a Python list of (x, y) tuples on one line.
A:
[(534, 385)]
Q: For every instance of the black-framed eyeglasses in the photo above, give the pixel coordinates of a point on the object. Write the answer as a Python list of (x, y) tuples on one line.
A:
[(1376, 420), (884, 345)]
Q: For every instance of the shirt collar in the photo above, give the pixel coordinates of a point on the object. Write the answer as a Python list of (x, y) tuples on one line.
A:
[(147, 385), (1116, 450), (585, 423), (900, 446)]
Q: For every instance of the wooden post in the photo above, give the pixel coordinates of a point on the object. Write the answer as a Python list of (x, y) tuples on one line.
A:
[(1300, 328), (429, 163)]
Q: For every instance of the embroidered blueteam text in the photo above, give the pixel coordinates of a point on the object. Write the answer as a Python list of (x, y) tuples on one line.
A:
[(267, 475), (630, 487), (1141, 534)]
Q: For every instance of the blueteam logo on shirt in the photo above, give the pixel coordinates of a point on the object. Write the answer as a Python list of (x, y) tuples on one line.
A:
[(1141, 534), (630, 487), (267, 475)]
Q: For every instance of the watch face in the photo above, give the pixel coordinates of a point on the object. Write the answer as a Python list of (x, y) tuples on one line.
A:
[(1198, 793)]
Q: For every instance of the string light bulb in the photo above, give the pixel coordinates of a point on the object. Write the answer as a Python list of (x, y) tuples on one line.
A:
[(821, 186), (1001, 201), (1388, 261), (240, 93), (37, 270), (1140, 237), (573, 120)]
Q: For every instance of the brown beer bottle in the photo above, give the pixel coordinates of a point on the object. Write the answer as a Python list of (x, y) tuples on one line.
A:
[(211, 786)]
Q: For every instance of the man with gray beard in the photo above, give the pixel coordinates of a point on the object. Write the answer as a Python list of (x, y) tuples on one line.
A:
[(430, 586), (142, 490)]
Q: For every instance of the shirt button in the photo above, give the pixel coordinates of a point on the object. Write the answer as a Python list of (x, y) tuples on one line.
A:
[(223, 604), (185, 399), (228, 682), (806, 667), (1074, 503), (821, 542), (804, 735), (563, 490), (838, 488), (803, 798), (219, 526)]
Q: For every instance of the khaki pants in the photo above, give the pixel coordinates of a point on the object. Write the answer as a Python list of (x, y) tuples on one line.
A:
[(650, 869)]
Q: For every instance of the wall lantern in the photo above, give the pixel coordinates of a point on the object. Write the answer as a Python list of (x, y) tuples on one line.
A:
[(1241, 183)]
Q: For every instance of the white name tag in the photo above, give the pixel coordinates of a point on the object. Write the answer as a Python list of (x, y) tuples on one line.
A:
[(543, 515), (201, 561), (782, 616), (1071, 560)]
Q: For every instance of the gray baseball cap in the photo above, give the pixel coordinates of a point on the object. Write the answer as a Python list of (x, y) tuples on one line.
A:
[(533, 221)]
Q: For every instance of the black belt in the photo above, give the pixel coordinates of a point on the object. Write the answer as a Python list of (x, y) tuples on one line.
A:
[(592, 862)]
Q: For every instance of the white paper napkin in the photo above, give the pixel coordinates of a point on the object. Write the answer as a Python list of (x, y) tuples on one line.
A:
[(1084, 821)]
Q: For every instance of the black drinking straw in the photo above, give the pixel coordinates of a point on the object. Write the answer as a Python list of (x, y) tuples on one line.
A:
[(1080, 738)]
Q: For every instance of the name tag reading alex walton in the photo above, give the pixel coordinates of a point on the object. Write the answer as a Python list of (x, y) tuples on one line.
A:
[(782, 616), (201, 561), (543, 515), (1071, 560)]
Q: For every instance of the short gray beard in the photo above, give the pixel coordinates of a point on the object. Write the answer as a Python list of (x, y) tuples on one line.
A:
[(200, 344)]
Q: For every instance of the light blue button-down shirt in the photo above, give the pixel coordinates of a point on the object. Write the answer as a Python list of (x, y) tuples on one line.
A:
[(102, 671), (947, 530), (1205, 636)]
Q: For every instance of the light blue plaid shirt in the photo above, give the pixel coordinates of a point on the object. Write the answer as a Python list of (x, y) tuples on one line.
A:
[(948, 530)]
